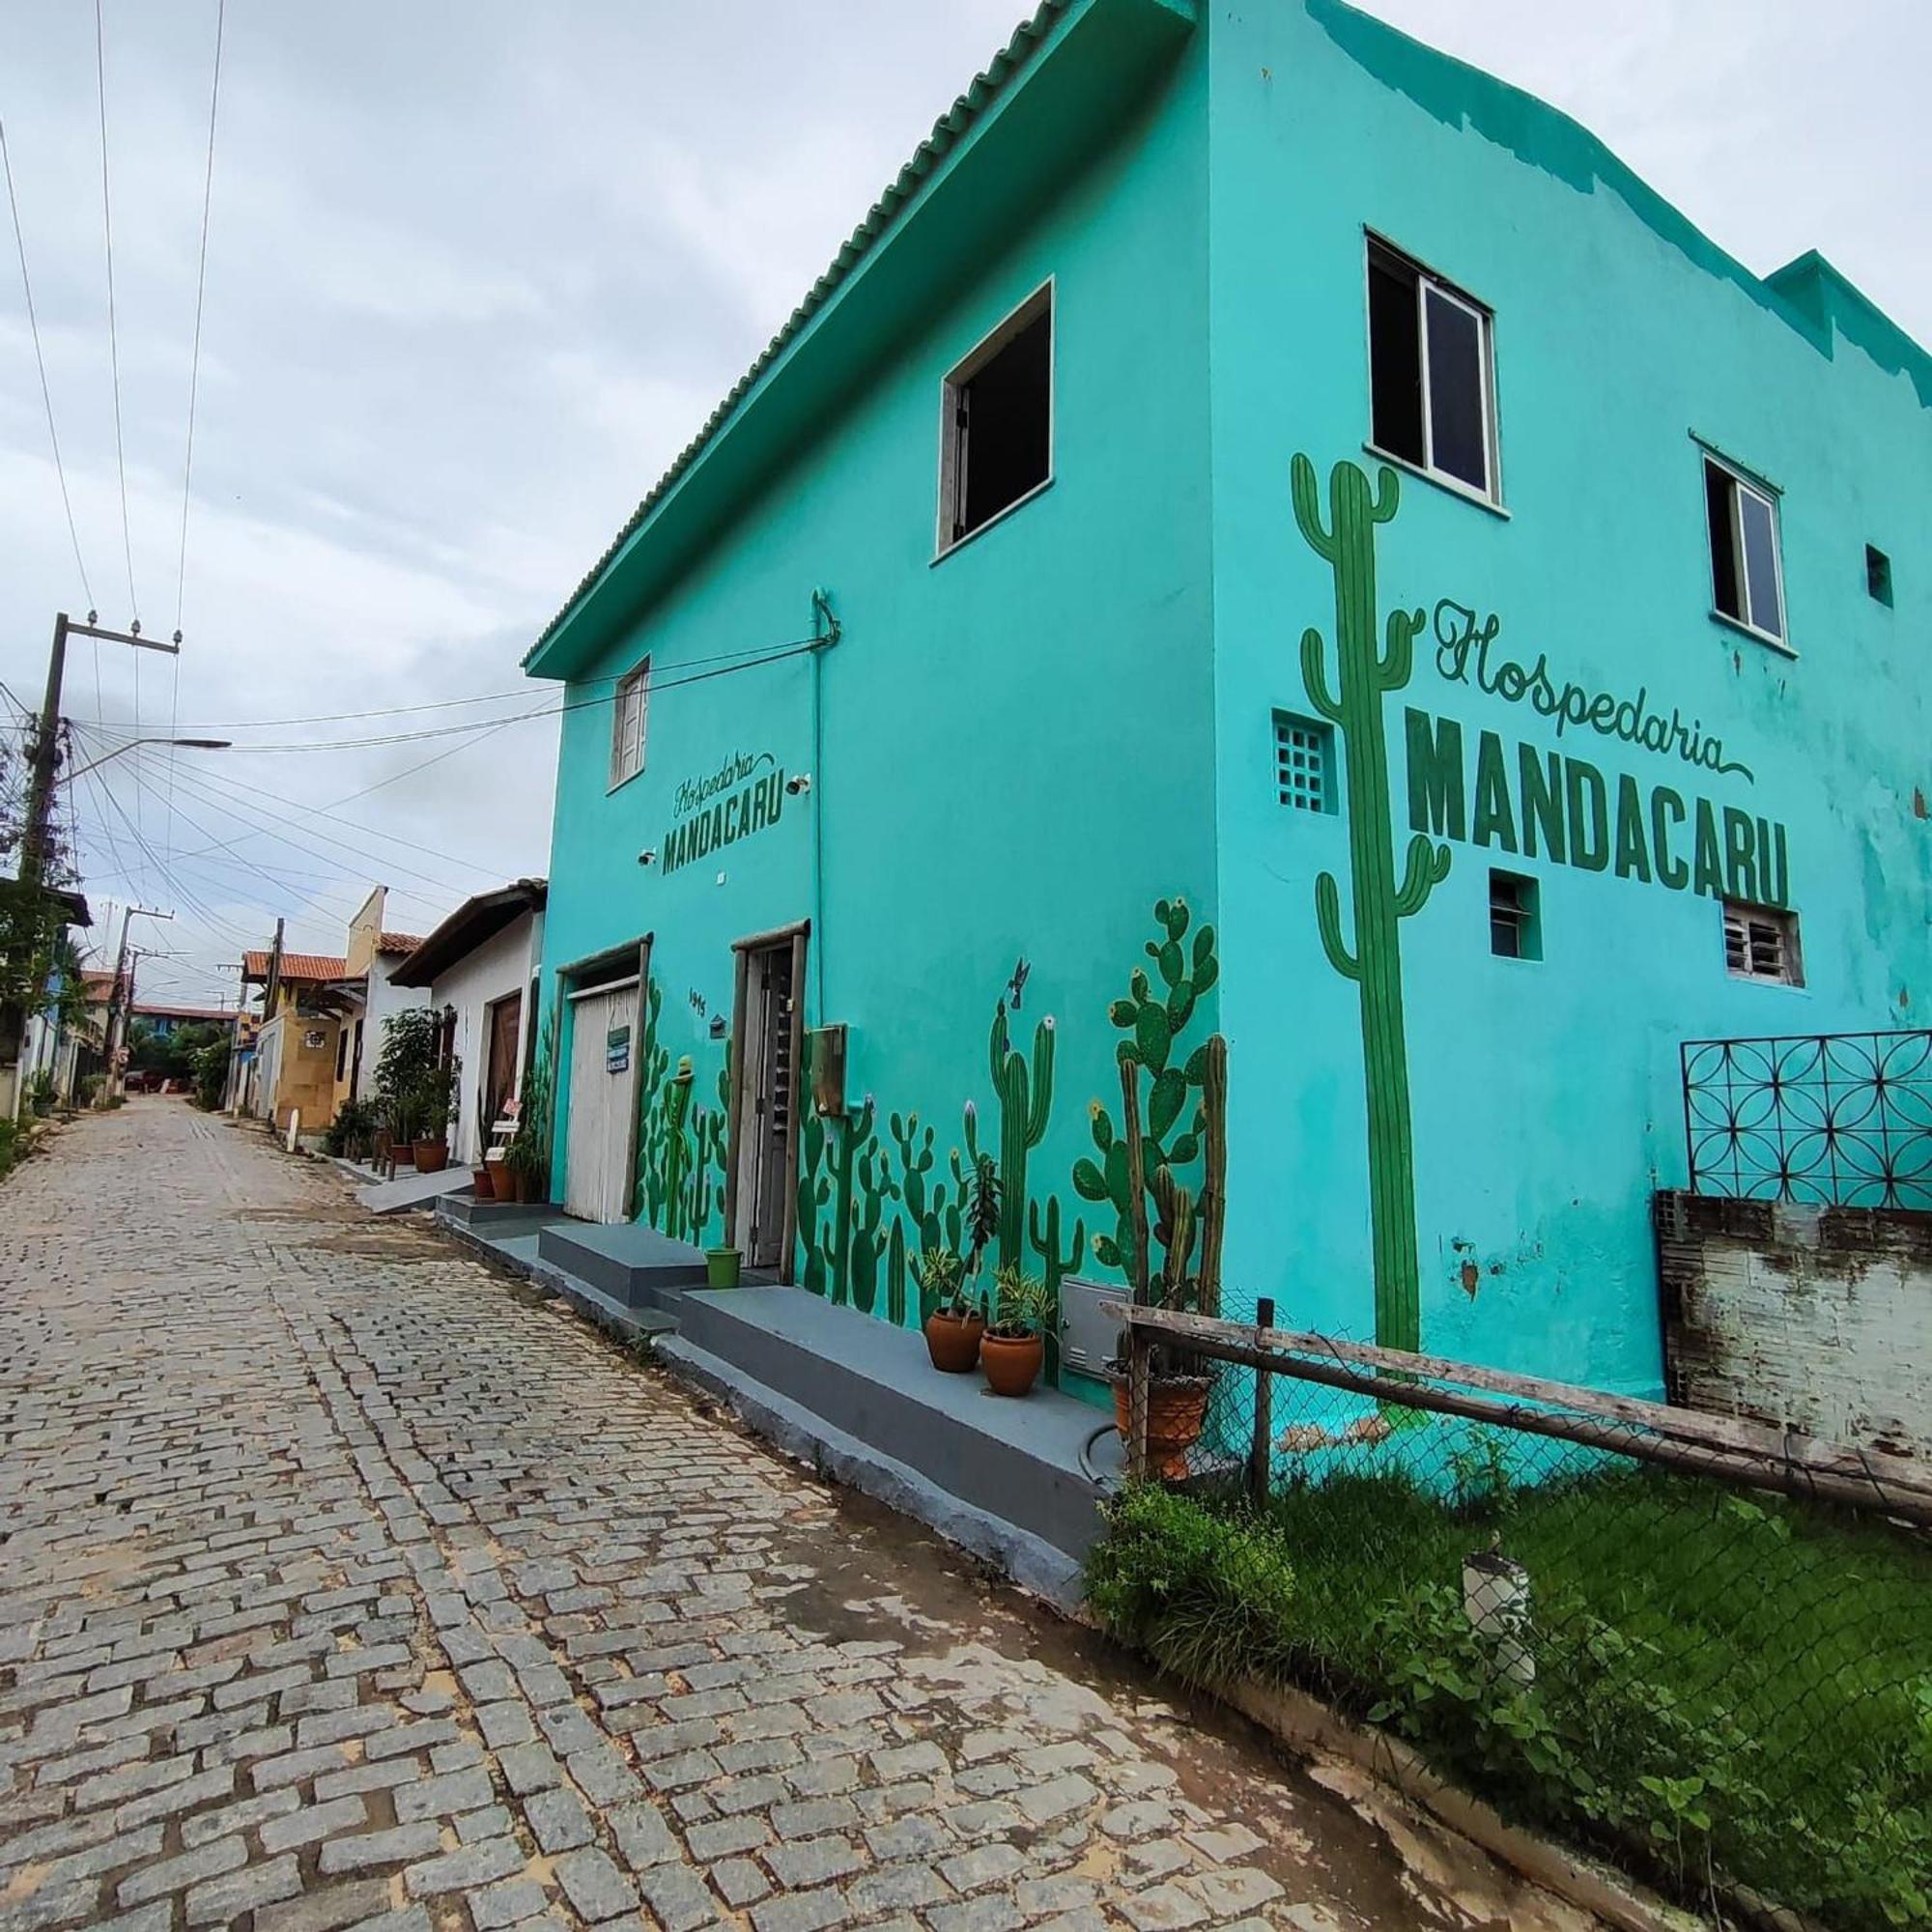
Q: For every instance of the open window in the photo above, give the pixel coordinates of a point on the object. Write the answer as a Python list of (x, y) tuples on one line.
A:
[(1432, 373), (629, 715), (997, 426), (1516, 917), (1747, 574)]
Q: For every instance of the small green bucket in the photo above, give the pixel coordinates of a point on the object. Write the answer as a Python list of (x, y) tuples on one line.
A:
[(720, 1267)]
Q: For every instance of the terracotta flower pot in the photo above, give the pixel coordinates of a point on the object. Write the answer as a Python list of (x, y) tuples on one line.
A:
[(432, 1157), (1177, 1413), (506, 1181), (481, 1184), (1013, 1362), (954, 1344)]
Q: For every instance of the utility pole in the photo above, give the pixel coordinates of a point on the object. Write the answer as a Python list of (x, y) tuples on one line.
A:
[(119, 1004), (36, 833)]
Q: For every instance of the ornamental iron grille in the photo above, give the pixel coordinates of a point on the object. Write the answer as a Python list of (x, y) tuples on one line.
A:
[(1837, 1120)]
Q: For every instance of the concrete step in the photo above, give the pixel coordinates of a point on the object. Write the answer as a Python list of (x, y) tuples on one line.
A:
[(630, 1263)]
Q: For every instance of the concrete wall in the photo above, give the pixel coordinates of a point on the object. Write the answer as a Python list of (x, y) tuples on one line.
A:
[(1009, 749), (1542, 1095), (295, 1075), (1815, 1318), (501, 967)]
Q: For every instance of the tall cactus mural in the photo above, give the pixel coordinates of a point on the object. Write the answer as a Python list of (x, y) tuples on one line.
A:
[(1366, 674), (1026, 1099), (1153, 1023)]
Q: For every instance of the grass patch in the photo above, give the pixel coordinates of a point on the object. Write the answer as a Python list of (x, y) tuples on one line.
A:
[(1723, 1683)]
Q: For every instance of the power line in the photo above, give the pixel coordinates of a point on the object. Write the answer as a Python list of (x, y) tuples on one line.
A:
[(113, 341), (200, 296), (761, 652), (40, 361)]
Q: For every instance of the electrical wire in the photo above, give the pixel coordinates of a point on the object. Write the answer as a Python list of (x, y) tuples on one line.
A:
[(200, 297), (773, 655), (113, 340), (759, 651), (41, 362)]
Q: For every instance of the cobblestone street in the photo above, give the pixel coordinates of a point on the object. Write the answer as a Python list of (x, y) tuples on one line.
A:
[(345, 1583)]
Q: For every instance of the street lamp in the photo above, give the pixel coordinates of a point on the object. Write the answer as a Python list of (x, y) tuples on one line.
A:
[(135, 744)]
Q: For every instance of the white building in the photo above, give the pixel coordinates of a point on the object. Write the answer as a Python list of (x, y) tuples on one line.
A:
[(478, 968)]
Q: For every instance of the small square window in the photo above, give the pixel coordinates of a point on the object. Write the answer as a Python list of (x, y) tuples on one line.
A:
[(1747, 574), (1431, 372), (1878, 575), (1761, 943), (1304, 763), (630, 713), (1516, 922), (997, 430)]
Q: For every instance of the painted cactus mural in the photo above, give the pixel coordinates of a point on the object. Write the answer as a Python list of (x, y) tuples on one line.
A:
[(681, 1143), (1153, 1023), (1026, 1098), (1366, 674)]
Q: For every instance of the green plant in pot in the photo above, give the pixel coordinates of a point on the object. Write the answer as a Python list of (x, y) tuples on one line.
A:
[(949, 1284), (1013, 1348), (436, 1095), (524, 1162)]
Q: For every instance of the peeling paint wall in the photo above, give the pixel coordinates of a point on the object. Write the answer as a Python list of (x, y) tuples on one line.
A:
[(1818, 1319)]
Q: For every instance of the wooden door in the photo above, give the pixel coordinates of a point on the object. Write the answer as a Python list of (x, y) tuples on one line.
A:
[(602, 1087), (765, 1108), (500, 1063)]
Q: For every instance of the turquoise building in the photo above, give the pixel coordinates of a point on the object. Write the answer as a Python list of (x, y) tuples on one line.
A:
[(1264, 535)]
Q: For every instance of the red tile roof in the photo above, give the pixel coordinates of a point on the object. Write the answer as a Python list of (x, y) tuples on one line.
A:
[(310, 966), (398, 942)]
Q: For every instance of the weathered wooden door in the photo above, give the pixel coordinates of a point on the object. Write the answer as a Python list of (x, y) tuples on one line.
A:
[(602, 1085), (501, 1078), (765, 1109)]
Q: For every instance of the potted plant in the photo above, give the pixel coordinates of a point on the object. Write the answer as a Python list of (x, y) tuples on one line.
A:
[(949, 1284), (1013, 1348), (504, 1178), (436, 1095)]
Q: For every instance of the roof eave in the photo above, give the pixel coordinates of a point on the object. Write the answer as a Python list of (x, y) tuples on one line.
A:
[(1053, 98)]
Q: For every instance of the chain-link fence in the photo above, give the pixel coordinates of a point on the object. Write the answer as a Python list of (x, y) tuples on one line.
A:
[(1700, 1646)]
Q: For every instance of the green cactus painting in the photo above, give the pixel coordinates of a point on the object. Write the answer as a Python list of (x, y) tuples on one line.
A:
[(1025, 1094), (1367, 673), (1153, 1023), (682, 1144)]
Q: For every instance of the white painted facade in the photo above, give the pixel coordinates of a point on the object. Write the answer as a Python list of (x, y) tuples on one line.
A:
[(500, 968)]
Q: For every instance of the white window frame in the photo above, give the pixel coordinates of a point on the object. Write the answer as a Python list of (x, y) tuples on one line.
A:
[(1741, 481), (1427, 278), (1790, 948), (625, 745), (953, 451)]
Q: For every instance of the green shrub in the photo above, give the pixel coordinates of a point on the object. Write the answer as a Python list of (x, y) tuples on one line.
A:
[(17, 1142), (1721, 1684), (352, 1134)]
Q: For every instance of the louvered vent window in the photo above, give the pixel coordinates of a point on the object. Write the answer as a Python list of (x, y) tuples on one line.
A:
[(1304, 763), (1761, 943)]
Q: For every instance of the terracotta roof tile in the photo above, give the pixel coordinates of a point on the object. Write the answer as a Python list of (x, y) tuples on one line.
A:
[(295, 966), (398, 942)]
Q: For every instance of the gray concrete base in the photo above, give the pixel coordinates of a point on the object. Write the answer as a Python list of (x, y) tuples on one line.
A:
[(411, 1190), (1006, 1479), (1031, 1561)]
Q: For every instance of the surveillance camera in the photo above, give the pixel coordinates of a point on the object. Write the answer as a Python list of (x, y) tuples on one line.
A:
[(798, 784), (647, 856)]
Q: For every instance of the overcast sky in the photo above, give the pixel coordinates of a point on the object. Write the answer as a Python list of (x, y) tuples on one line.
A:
[(478, 270)]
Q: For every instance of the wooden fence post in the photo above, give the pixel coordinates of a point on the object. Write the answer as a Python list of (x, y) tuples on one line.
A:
[(1261, 1449), (1139, 1363)]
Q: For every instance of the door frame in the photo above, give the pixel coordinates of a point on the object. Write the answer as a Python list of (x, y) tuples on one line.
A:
[(488, 1115), (797, 933), (605, 970)]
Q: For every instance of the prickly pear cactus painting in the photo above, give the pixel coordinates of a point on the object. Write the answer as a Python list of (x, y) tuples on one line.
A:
[(1367, 672)]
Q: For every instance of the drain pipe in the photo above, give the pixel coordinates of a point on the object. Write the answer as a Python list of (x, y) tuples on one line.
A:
[(826, 630)]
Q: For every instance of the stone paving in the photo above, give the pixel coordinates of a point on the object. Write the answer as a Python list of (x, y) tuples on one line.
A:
[(346, 1583)]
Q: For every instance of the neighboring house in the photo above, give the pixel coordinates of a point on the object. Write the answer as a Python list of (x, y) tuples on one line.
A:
[(372, 954), (1252, 459), (60, 1049), (163, 1020), (290, 1068), (478, 968)]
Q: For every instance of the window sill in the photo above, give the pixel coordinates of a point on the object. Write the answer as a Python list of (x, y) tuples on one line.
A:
[(1772, 985), (612, 790), (1752, 631), (992, 522), (1448, 484)]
